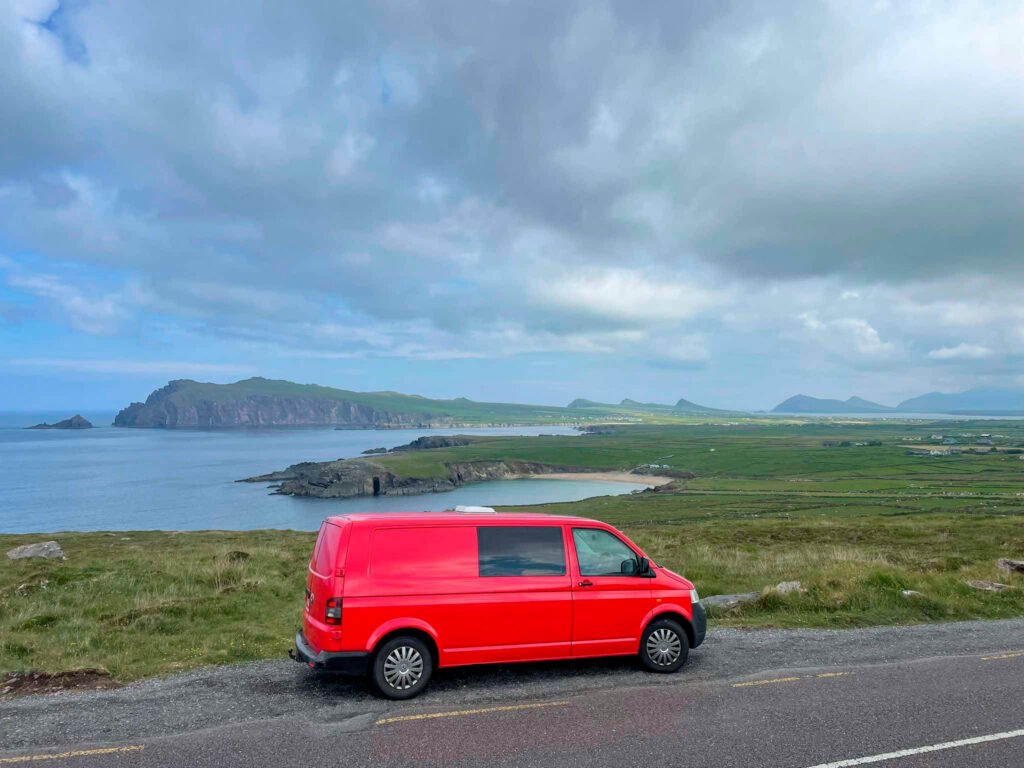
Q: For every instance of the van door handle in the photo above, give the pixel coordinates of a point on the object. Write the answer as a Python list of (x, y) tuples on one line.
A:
[(585, 583)]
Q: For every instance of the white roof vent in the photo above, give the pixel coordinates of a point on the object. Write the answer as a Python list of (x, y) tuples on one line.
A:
[(470, 510)]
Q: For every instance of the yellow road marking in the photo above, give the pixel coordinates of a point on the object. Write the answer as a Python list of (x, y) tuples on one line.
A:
[(1014, 655), (766, 682), (834, 674), (463, 712), (74, 753)]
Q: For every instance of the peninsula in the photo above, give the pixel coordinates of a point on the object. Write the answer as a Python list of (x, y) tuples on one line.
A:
[(437, 464)]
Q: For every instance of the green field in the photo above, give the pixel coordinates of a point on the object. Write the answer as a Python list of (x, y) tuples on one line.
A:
[(856, 525)]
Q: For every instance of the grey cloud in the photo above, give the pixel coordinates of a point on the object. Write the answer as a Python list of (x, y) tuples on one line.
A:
[(411, 167)]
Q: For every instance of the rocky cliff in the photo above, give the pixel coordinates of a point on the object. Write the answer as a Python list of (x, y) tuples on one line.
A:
[(185, 403)]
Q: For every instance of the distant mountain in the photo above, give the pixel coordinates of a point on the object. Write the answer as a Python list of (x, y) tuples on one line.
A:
[(991, 401), (580, 402), (680, 408), (259, 402), (808, 404), (75, 422), (627, 403), (690, 407)]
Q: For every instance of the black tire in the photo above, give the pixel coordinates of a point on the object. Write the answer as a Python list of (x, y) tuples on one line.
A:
[(402, 667), (664, 646)]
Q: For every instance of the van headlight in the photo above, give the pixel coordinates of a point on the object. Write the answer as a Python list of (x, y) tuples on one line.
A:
[(694, 597)]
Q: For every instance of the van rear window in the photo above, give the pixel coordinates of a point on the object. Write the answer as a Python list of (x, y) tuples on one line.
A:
[(326, 549), (423, 553), (521, 550)]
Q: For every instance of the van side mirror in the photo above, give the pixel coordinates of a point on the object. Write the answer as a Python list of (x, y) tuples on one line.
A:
[(644, 568)]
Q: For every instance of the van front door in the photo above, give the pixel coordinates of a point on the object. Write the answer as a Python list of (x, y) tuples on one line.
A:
[(609, 599)]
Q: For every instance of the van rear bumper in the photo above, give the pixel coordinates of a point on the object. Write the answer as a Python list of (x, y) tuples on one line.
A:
[(700, 624), (344, 662)]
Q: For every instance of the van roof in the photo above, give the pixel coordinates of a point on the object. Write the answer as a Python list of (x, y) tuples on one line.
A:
[(456, 517)]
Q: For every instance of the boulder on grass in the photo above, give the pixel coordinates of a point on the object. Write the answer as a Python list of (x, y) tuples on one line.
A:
[(786, 587), (1010, 566), (42, 549), (987, 586), (728, 602)]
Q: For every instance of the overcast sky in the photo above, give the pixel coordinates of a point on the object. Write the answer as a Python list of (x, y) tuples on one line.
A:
[(524, 201)]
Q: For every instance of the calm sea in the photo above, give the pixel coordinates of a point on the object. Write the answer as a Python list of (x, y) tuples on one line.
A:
[(140, 479)]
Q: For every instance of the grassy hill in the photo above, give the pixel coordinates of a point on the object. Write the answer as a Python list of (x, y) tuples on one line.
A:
[(269, 402)]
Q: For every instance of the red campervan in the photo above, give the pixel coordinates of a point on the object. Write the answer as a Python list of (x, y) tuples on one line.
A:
[(397, 595)]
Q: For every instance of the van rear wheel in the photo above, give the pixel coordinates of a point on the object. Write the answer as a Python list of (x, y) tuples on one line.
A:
[(664, 646), (402, 667)]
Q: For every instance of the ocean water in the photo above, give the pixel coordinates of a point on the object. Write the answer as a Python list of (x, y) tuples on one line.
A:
[(113, 479)]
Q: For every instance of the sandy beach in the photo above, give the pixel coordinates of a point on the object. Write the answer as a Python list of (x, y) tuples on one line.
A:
[(651, 481)]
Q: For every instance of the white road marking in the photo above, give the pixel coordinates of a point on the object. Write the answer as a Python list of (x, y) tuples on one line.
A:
[(767, 682), (1000, 657), (923, 750), (73, 753), (464, 712)]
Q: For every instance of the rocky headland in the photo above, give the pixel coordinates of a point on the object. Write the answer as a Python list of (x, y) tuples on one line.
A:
[(349, 478), (259, 402)]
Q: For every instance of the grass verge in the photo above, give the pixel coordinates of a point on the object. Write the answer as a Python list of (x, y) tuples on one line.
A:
[(151, 603)]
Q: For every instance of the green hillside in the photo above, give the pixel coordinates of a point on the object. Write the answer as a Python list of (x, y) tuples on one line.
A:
[(259, 402)]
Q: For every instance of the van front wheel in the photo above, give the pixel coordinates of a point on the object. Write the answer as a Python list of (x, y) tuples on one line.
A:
[(402, 667), (664, 646)]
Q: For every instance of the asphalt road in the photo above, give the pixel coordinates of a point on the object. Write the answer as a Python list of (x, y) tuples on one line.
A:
[(784, 699)]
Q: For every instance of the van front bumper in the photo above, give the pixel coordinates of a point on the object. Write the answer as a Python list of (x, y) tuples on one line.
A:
[(343, 662), (700, 624)]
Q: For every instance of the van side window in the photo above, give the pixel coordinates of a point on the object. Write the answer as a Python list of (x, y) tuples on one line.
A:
[(603, 554), (521, 550)]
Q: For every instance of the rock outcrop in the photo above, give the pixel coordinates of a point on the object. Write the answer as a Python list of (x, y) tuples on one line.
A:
[(349, 478), (987, 586), (48, 549), (787, 587), (433, 441), (75, 422), (728, 602)]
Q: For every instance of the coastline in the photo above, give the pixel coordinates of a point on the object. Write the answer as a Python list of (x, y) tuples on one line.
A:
[(651, 481)]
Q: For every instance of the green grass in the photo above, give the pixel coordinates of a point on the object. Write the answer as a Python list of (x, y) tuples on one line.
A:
[(771, 503), (145, 603)]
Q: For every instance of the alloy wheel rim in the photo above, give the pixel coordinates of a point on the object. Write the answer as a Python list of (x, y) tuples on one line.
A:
[(664, 647), (403, 668)]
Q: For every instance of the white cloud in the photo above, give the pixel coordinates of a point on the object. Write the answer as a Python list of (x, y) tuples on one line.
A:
[(175, 368), (962, 351), (629, 295), (100, 314), (347, 154), (848, 337), (865, 337)]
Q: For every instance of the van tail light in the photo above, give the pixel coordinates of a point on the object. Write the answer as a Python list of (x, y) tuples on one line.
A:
[(332, 614)]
